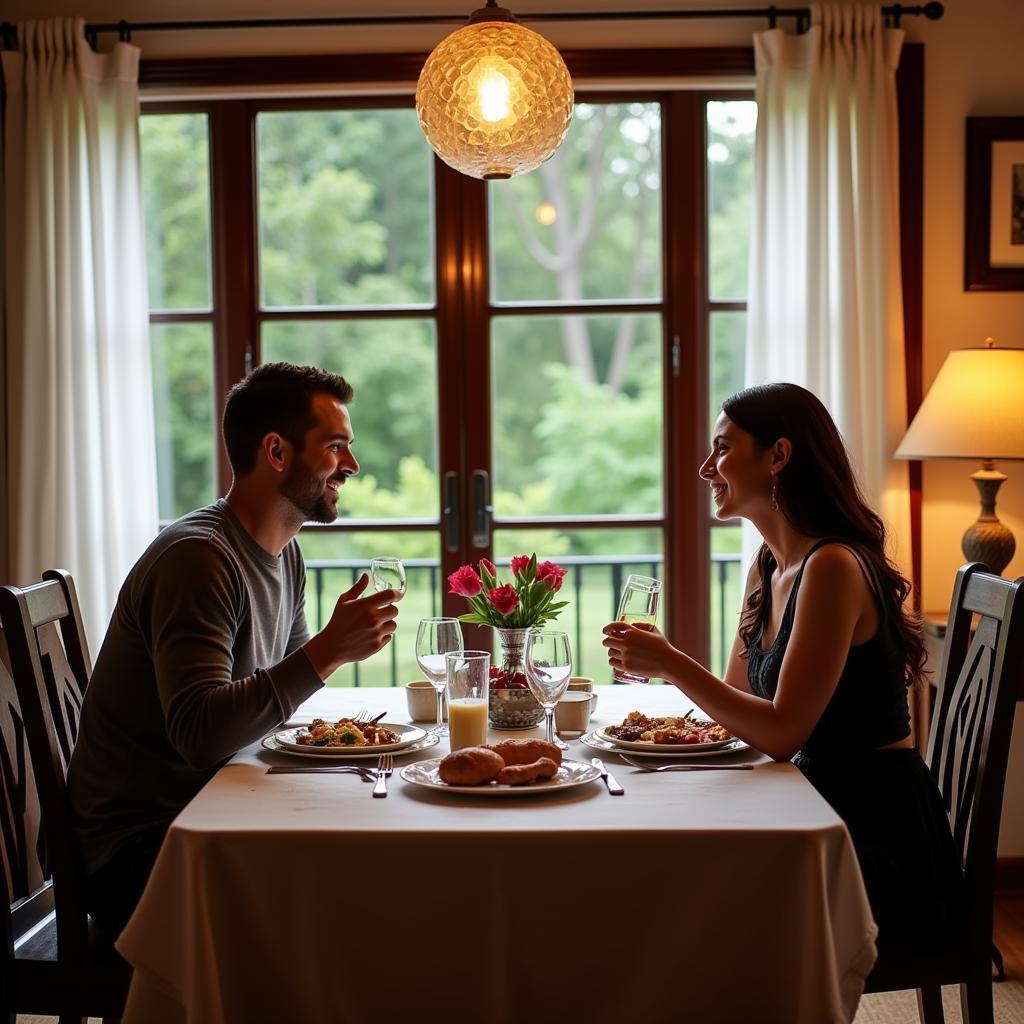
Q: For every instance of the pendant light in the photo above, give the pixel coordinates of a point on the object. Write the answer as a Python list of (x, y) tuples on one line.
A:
[(494, 99)]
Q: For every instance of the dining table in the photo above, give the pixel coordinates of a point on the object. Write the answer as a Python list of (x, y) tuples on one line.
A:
[(710, 896)]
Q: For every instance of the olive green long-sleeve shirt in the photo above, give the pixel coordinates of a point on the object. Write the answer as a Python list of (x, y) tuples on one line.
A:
[(202, 657)]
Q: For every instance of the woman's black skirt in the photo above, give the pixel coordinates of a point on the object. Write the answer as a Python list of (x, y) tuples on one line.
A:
[(901, 833)]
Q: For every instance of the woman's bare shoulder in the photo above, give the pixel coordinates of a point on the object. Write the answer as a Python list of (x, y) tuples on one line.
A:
[(836, 564)]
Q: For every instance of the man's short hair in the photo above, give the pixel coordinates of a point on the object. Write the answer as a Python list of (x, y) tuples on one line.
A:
[(275, 398)]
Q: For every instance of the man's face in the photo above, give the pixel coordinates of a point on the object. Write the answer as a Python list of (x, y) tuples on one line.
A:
[(323, 465)]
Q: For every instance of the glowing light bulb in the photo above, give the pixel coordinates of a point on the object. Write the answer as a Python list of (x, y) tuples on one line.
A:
[(493, 95), (546, 214)]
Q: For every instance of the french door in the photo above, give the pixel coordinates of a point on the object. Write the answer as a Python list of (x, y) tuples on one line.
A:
[(534, 360)]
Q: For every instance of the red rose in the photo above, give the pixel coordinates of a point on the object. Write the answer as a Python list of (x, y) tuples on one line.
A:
[(486, 565), (519, 564), (504, 599), (465, 582), (551, 574)]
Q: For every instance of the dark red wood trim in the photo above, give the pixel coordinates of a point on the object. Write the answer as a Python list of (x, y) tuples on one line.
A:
[(184, 316), (372, 526), (581, 523), (980, 133), (451, 382), (346, 313), (404, 68), (910, 99), (1009, 878), (235, 287), (687, 536), (474, 348)]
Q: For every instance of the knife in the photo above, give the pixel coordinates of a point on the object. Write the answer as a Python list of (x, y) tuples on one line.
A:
[(347, 769), (609, 780)]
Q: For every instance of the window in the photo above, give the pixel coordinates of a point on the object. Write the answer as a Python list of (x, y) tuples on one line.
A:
[(528, 355)]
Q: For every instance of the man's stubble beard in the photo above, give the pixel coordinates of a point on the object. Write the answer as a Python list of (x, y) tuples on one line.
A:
[(307, 493)]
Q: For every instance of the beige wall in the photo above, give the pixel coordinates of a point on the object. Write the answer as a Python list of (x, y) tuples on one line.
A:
[(974, 66)]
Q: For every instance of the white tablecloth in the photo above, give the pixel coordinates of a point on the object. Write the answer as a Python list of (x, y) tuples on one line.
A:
[(704, 896)]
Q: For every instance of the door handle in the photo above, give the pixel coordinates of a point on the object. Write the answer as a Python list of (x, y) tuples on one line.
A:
[(482, 509), (450, 512)]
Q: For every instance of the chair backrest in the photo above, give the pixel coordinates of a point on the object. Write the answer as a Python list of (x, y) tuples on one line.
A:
[(969, 745), (50, 664), (24, 878)]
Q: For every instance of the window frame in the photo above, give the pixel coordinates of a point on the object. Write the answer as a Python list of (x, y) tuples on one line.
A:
[(462, 295)]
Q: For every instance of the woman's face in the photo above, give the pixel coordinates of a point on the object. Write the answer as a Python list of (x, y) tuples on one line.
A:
[(738, 471)]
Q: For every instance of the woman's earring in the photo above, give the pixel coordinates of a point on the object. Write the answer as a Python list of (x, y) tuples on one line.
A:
[(775, 493)]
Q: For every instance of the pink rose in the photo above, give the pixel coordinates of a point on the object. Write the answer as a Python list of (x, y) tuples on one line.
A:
[(551, 574), (465, 582), (519, 564), (486, 565), (504, 599)]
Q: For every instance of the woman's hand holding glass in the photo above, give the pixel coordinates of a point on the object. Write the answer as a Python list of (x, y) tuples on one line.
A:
[(637, 651), (548, 668), (638, 606), (434, 639)]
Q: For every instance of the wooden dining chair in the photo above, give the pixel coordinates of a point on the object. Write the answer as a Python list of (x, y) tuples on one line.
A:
[(968, 748), (51, 962)]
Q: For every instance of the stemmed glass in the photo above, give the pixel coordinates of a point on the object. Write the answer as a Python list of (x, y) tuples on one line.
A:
[(548, 668), (638, 606), (434, 639)]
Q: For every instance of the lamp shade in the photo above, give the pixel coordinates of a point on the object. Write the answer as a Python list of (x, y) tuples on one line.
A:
[(973, 410), (494, 99)]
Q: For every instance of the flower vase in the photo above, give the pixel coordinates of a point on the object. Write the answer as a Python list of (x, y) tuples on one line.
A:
[(511, 705)]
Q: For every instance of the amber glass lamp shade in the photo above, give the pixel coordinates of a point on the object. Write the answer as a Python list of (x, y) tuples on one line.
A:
[(494, 99)]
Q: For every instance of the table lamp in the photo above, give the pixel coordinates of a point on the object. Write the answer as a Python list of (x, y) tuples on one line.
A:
[(975, 410)]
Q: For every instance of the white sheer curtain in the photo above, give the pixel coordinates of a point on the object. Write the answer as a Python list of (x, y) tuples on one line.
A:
[(82, 476), (825, 307)]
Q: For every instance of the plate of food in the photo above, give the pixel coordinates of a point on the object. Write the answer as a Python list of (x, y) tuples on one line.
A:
[(345, 753), (678, 733), (348, 737), (507, 768), (676, 753)]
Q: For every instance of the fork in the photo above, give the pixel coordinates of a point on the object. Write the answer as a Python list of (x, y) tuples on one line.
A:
[(385, 766), (361, 716), (687, 767)]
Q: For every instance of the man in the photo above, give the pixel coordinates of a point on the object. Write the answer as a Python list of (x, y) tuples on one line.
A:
[(208, 649)]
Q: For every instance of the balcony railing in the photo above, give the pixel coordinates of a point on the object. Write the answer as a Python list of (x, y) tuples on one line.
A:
[(593, 586)]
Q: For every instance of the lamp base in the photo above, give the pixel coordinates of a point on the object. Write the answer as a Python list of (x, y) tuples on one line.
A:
[(987, 539)]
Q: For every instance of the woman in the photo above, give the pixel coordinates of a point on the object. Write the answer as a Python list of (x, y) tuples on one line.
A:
[(824, 654)]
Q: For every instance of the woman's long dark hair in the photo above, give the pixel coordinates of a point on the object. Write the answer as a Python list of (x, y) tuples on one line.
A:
[(818, 493)]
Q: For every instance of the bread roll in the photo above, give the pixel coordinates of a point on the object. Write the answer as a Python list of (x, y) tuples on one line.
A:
[(470, 766), (525, 751), (519, 774)]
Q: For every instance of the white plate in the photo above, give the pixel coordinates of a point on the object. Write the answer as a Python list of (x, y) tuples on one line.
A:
[(597, 741), (570, 773), (407, 735), (407, 746), (646, 747)]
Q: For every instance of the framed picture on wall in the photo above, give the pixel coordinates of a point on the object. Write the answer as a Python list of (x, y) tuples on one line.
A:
[(994, 205)]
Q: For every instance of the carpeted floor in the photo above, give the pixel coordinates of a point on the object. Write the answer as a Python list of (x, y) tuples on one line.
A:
[(886, 1008), (901, 1007)]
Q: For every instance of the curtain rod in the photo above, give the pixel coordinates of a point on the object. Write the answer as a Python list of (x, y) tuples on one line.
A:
[(124, 29)]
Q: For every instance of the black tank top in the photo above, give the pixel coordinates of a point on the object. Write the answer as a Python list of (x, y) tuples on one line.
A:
[(869, 706)]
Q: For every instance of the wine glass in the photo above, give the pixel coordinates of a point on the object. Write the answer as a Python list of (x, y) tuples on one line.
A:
[(388, 573), (638, 606), (434, 639), (548, 668)]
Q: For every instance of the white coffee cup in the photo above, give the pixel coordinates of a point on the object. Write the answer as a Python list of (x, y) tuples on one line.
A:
[(573, 711), (421, 697)]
